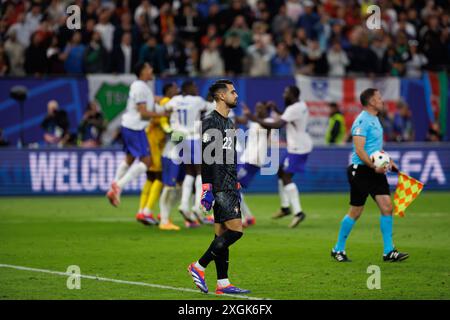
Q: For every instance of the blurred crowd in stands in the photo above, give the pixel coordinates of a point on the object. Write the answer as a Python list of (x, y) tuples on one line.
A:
[(217, 38), (397, 126)]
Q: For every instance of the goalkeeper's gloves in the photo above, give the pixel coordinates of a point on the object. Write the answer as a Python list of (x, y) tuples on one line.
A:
[(177, 136), (207, 199)]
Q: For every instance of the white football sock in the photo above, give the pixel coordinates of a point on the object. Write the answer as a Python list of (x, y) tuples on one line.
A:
[(244, 208), (223, 282), (199, 266), (283, 195), (176, 194), (198, 192), (164, 204), (134, 172), (121, 170), (186, 191), (294, 198)]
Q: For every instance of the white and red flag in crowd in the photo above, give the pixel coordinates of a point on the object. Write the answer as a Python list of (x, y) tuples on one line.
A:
[(318, 92)]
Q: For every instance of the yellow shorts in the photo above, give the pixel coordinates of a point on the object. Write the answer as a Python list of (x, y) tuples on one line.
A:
[(157, 140)]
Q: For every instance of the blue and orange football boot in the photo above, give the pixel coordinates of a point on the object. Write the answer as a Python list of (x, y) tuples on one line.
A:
[(230, 289), (199, 277)]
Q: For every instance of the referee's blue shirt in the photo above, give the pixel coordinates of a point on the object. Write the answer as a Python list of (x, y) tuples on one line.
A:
[(367, 125)]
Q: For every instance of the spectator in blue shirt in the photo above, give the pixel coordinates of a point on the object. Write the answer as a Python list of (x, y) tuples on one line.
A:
[(282, 64), (151, 52), (73, 55), (308, 20), (402, 123)]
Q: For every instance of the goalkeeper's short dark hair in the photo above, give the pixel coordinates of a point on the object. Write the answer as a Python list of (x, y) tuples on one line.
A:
[(366, 95), (219, 85)]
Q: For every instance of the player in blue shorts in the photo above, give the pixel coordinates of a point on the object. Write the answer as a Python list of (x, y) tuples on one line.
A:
[(140, 109), (172, 177), (299, 145), (186, 109)]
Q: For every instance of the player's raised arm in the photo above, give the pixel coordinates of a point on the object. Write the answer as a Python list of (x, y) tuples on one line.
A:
[(242, 119), (265, 124), (273, 107), (146, 114), (278, 124)]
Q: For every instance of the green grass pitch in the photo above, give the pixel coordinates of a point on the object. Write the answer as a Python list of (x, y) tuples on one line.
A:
[(273, 261)]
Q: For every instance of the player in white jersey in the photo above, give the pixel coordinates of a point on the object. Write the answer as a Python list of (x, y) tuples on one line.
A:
[(299, 145), (186, 110), (253, 157), (140, 109), (172, 177)]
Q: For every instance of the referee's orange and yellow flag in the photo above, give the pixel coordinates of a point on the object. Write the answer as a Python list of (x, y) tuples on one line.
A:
[(407, 190)]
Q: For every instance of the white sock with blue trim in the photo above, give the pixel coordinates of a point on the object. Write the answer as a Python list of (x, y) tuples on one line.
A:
[(186, 191), (122, 168), (283, 195), (294, 197), (134, 172)]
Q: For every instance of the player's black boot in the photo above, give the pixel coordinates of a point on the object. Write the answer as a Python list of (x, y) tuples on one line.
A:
[(395, 256), (340, 256), (282, 213), (299, 217)]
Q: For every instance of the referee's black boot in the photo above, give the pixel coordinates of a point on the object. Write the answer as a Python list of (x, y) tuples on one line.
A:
[(395, 256), (340, 256)]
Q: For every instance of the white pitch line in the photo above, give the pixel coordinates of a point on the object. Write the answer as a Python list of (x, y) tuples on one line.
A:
[(135, 283)]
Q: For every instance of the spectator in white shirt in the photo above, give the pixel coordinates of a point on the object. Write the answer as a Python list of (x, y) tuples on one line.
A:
[(106, 30), (211, 63), (16, 55), (403, 25), (418, 60), (337, 60), (294, 9), (150, 13), (56, 10), (260, 53), (33, 18), (22, 30)]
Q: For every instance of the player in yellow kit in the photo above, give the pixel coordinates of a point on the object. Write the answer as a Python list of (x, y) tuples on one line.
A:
[(156, 135)]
